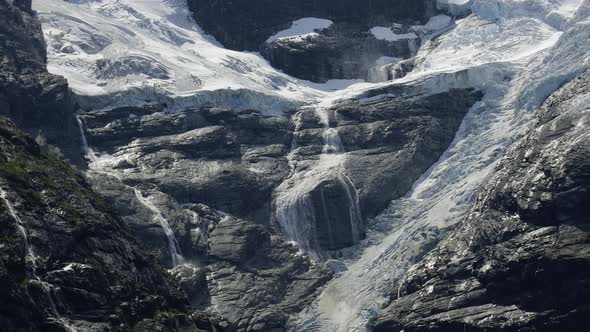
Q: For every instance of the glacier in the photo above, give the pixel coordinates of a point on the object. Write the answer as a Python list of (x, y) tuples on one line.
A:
[(126, 52)]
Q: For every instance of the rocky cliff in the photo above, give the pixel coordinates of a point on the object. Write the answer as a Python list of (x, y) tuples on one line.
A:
[(244, 158), (520, 260), (38, 102), (223, 195), (345, 50), (67, 263)]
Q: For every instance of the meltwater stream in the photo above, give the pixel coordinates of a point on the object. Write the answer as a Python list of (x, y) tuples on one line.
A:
[(174, 248), (294, 207), (31, 258), (88, 151)]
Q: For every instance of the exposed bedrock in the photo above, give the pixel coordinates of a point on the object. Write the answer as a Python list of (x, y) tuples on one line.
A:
[(512, 264), (341, 52), (235, 161), (345, 50), (66, 259), (245, 25), (38, 102), (236, 273), (332, 203)]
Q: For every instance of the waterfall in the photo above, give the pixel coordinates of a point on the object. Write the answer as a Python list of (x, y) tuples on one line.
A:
[(88, 151), (174, 248), (32, 258), (294, 208), (175, 252)]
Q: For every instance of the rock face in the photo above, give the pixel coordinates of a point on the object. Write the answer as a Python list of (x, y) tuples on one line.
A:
[(520, 261), (239, 162), (395, 139), (39, 103), (236, 273), (346, 50), (341, 52), (65, 260), (244, 25), (257, 280)]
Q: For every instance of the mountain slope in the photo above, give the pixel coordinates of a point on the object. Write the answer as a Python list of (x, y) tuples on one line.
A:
[(116, 53), (66, 261), (277, 205), (522, 246)]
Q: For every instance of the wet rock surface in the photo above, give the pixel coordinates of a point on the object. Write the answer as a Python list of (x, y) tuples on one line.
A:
[(66, 259), (38, 102), (235, 273), (520, 260)]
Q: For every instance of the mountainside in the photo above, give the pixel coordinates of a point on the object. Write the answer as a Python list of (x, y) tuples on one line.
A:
[(340, 166), (523, 244), (67, 263)]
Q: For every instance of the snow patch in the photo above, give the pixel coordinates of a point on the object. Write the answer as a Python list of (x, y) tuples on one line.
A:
[(434, 24), (301, 28)]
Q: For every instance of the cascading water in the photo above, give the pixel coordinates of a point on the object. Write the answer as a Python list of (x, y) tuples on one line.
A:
[(174, 248), (175, 252), (88, 151), (295, 211), (32, 259)]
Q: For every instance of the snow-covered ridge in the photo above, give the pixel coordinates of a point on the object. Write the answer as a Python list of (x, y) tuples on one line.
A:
[(117, 52)]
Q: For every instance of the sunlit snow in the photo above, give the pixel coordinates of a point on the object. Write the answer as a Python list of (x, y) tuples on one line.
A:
[(301, 28)]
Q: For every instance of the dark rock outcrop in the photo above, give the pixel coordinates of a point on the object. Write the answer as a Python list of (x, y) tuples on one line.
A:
[(38, 102), (347, 50), (236, 273), (245, 25), (396, 138), (340, 52), (521, 259), (257, 280), (66, 260)]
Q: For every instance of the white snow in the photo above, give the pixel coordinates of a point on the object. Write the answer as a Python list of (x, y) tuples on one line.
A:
[(118, 52), (555, 12), (302, 28), (385, 33)]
